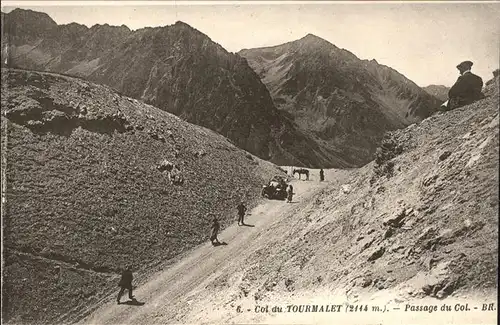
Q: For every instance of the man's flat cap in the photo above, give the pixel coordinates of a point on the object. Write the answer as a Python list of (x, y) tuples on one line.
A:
[(465, 64)]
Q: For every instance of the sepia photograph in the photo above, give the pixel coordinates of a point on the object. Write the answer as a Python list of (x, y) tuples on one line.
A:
[(250, 162)]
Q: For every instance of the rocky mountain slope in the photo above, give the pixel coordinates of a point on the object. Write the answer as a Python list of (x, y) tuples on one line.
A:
[(175, 68), (346, 102), (438, 91), (421, 221), (87, 194), (418, 225)]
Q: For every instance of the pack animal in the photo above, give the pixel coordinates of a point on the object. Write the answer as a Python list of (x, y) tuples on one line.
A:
[(301, 171)]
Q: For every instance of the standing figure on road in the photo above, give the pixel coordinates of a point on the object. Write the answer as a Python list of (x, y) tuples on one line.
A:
[(321, 175), (290, 193), (241, 213), (126, 283), (214, 231)]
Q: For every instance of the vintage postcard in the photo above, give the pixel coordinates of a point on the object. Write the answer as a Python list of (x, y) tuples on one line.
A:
[(250, 162)]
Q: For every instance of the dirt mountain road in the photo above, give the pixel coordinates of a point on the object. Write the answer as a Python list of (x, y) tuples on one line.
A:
[(167, 295)]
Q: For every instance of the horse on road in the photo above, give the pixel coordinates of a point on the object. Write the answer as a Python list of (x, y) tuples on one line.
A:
[(301, 171)]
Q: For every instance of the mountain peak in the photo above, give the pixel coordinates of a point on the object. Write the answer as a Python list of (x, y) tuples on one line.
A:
[(180, 23), (108, 27), (314, 41), (32, 25), (312, 36), (27, 15)]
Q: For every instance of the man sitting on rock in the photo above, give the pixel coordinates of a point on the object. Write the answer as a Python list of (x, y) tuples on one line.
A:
[(467, 88)]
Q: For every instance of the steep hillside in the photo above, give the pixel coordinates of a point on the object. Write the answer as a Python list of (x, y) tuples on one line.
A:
[(397, 95), (419, 222), (438, 91), (417, 226), (175, 68), (344, 101), (86, 196)]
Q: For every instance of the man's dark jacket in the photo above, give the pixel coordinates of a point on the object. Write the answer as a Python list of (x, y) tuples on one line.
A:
[(215, 230), (241, 209), (466, 90), (126, 280)]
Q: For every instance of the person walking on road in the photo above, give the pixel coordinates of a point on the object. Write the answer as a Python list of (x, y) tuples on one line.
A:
[(321, 175), (126, 283), (290, 193), (241, 213), (215, 231)]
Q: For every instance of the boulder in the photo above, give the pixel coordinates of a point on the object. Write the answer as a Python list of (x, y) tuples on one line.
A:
[(376, 254)]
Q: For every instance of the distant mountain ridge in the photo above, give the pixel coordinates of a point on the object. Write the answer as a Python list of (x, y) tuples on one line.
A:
[(345, 101), (327, 115), (176, 68), (438, 91)]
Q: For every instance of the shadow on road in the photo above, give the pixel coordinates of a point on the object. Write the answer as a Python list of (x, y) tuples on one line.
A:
[(220, 244), (247, 225), (133, 303)]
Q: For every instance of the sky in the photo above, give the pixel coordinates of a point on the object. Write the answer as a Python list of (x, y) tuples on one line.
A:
[(424, 41)]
